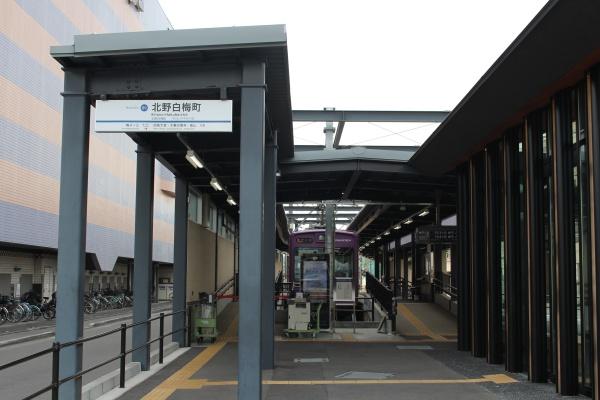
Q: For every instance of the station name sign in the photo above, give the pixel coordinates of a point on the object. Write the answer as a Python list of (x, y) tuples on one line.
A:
[(435, 234), (164, 116)]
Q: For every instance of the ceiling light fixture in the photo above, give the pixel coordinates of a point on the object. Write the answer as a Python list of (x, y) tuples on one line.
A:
[(397, 227), (386, 233), (193, 159), (231, 201), (423, 213), (408, 221), (216, 185)]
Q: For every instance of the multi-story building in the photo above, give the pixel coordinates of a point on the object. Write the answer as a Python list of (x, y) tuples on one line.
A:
[(30, 143)]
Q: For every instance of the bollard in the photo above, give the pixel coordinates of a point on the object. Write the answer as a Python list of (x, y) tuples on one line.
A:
[(123, 350), (55, 368), (161, 338)]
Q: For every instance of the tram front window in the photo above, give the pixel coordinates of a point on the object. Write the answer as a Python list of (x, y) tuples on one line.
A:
[(343, 263), (300, 251)]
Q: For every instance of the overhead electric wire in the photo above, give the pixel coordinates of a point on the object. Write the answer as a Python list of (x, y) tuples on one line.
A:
[(393, 133)]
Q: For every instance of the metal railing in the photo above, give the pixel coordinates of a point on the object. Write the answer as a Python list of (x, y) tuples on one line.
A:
[(383, 295), (442, 287), (56, 348)]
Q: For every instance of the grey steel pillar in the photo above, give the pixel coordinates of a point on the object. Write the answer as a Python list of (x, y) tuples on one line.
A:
[(268, 267), (72, 227), (252, 149), (463, 271), (180, 258), (330, 249), (142, 263)]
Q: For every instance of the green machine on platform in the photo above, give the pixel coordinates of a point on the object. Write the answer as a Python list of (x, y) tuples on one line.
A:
[(204, 319)]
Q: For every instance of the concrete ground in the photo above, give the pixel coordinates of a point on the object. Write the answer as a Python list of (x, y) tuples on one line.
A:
[(419, 363)]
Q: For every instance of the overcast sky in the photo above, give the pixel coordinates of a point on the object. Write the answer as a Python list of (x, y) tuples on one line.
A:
[(375, 54)]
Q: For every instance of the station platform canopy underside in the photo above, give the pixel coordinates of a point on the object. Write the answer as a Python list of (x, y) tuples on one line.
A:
[(208, 64)]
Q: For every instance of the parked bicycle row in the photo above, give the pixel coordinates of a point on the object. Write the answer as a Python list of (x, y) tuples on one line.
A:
[(106, 300), (31, 306)]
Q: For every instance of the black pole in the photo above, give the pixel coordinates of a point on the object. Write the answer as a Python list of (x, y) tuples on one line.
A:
[(161, 339), (55, 368), (123, 350), (189, 326)]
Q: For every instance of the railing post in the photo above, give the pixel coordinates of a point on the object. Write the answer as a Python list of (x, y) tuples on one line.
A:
[(55, 368), (189, 326), (161, 337), (123, 350), (372, 308)]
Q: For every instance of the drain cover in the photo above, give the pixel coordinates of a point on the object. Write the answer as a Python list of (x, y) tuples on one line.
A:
[(311, 360), (414, 347), (364, 375)]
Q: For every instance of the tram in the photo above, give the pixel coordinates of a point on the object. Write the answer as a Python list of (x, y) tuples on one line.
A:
[(304, 244)]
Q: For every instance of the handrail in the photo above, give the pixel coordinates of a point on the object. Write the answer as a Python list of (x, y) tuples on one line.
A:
[(226, 286), (445, 288), (57, 347), (381, 293)]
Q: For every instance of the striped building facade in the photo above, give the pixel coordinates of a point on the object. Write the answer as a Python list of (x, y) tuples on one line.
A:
[(30, 143)]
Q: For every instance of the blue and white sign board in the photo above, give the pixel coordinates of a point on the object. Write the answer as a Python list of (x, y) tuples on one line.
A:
[(164, 115)]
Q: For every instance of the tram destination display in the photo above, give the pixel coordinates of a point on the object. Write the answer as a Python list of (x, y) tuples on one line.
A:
[(435, 234)]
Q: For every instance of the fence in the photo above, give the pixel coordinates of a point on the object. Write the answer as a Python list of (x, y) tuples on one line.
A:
[(57, 347)]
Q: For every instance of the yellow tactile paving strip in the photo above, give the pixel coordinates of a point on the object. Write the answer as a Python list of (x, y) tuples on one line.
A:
[(418, 324), (171, 387), (181, 380)]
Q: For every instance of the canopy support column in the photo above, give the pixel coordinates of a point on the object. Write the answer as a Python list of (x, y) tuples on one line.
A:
[(72, 228), (180, 258), (142, 263), (268, 271), (252, 149)]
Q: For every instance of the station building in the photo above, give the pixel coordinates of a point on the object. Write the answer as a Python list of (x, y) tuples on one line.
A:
[(30, 127), (524, 145)]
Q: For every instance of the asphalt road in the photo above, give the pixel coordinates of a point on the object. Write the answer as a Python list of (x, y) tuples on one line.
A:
[(26, 378), (8, 328)]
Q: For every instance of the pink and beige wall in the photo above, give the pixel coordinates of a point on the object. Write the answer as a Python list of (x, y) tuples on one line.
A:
[(30, 132)]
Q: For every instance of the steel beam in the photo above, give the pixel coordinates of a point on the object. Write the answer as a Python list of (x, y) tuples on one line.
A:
[(142, 262), (462, 270), (477, 257), (368, 116), (157, 80), (353, 153), (493, 254), (593, 101), (268, 266), (252, 149), (180, 258), (72, 228), (330, 250), (566, 290), (340, 209), (350, 185), (512, 256), (538, 367), (338, 134), (291, 167)]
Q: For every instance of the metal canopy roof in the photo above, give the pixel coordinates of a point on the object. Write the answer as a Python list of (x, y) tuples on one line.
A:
[(551, 53), (362, 174), (181, 63), (376, 219), (207, 64)]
